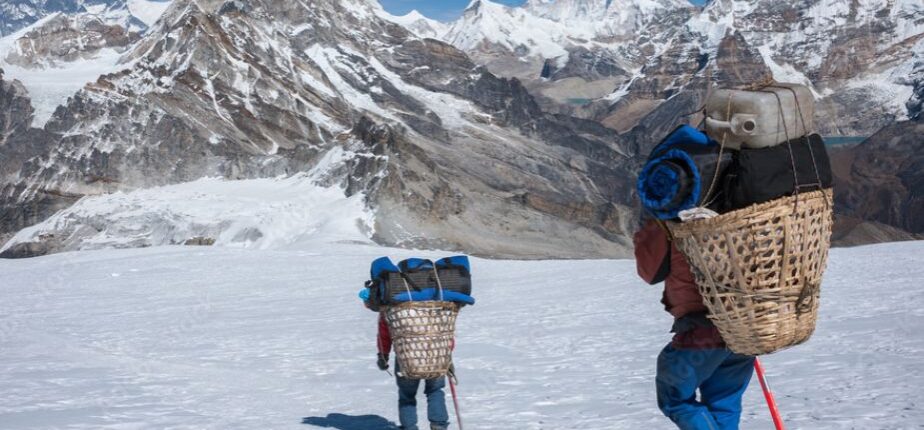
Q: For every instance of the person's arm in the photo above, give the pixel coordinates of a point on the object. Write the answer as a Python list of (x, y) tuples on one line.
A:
[(384, 343), (652, 253), (384, 337)]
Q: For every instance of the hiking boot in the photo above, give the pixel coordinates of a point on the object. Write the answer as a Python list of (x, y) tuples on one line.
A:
[(438, 427)]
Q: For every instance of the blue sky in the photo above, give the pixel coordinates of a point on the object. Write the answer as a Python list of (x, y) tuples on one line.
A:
[(443, 10)]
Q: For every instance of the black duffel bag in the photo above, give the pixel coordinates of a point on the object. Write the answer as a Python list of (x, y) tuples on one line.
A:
[(765, 174)]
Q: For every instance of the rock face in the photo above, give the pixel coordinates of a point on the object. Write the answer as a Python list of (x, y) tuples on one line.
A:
[(19, 14), (72, 44), (481, 149), (19, 142), (568, 52), (67, 38), (856, 55), (448, 154), (916, 103), (885, 185)]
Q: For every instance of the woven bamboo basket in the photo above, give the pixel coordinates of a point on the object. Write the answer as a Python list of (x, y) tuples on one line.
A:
[(759, 269), (422, 335)]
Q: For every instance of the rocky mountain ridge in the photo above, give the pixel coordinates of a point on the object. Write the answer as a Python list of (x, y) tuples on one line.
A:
[(452, 149), (864, 60), (137, 14), (884, 186), (857, 56), (448, 155)]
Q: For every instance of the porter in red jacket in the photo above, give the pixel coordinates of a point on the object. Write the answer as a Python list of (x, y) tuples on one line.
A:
[(407, 389), (658, 259), (696, 359)]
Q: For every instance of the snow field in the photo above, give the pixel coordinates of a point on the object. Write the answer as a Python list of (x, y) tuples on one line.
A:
[(257, 213), (226, 338)]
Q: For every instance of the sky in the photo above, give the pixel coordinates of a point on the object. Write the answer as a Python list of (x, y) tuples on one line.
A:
[(443, 10)]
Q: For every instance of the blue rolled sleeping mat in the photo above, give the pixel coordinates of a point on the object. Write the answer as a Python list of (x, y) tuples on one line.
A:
[(680, 171), (416, 279)]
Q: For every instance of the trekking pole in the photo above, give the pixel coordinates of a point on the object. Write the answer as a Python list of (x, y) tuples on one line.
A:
[(455, 398), (771, 402)]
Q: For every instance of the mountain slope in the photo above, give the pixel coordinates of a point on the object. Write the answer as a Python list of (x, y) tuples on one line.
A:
[(886, 181), (569, 50), (448, 154), (418, 24), (857, 56), (19, 14)]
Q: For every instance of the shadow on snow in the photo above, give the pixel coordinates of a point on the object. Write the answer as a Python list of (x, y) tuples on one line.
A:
[(351, 422)]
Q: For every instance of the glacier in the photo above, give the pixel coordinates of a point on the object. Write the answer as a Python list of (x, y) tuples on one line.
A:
[(231, 338)]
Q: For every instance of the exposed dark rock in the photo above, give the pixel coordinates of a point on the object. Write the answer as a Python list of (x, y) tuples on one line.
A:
[(439, 146), (886, 180), (846, 50), (586, 64), (916, 103), (66, 38), (204, 241)]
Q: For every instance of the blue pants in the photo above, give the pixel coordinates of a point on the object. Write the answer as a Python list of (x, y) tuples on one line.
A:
[(721, 377), (407, 401)]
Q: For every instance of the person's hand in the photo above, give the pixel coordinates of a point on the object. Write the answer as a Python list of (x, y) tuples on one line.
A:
[(382, 362), (452, 374)]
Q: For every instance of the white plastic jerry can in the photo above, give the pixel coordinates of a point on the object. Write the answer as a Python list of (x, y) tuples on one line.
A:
[(760, 118)]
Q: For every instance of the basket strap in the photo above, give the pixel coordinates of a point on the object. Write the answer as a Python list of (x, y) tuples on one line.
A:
[(407, 287), (782, 119), (439, 284), (795, 97), (705, 201), (667, 231)]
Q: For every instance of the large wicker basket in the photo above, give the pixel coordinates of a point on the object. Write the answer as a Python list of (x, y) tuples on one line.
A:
[(759, 269), (422, 335)]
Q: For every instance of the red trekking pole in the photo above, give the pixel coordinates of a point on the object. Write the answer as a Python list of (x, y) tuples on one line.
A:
[(455, 398), (771, 402)]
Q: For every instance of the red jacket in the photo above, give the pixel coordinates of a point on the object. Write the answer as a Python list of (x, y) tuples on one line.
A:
[(384, 340), (681, 295)]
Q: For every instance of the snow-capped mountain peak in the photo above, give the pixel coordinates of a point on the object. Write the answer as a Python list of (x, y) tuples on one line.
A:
[(262, 88), (72, 44), (548, 29), (564, 10), (18, 14), (489, 25), (418, 24)]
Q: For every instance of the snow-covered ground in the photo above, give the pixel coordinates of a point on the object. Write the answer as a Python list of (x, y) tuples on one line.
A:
[(225, 338), (257, 213)]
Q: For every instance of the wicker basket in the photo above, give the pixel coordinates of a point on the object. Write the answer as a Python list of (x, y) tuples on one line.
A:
[(422, 335), (759, 269)]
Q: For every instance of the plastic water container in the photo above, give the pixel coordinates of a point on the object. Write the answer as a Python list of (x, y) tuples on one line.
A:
[(760, 118)]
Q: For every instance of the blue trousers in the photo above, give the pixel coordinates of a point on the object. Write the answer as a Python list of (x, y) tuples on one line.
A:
[(407, 401), (721, 377)]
